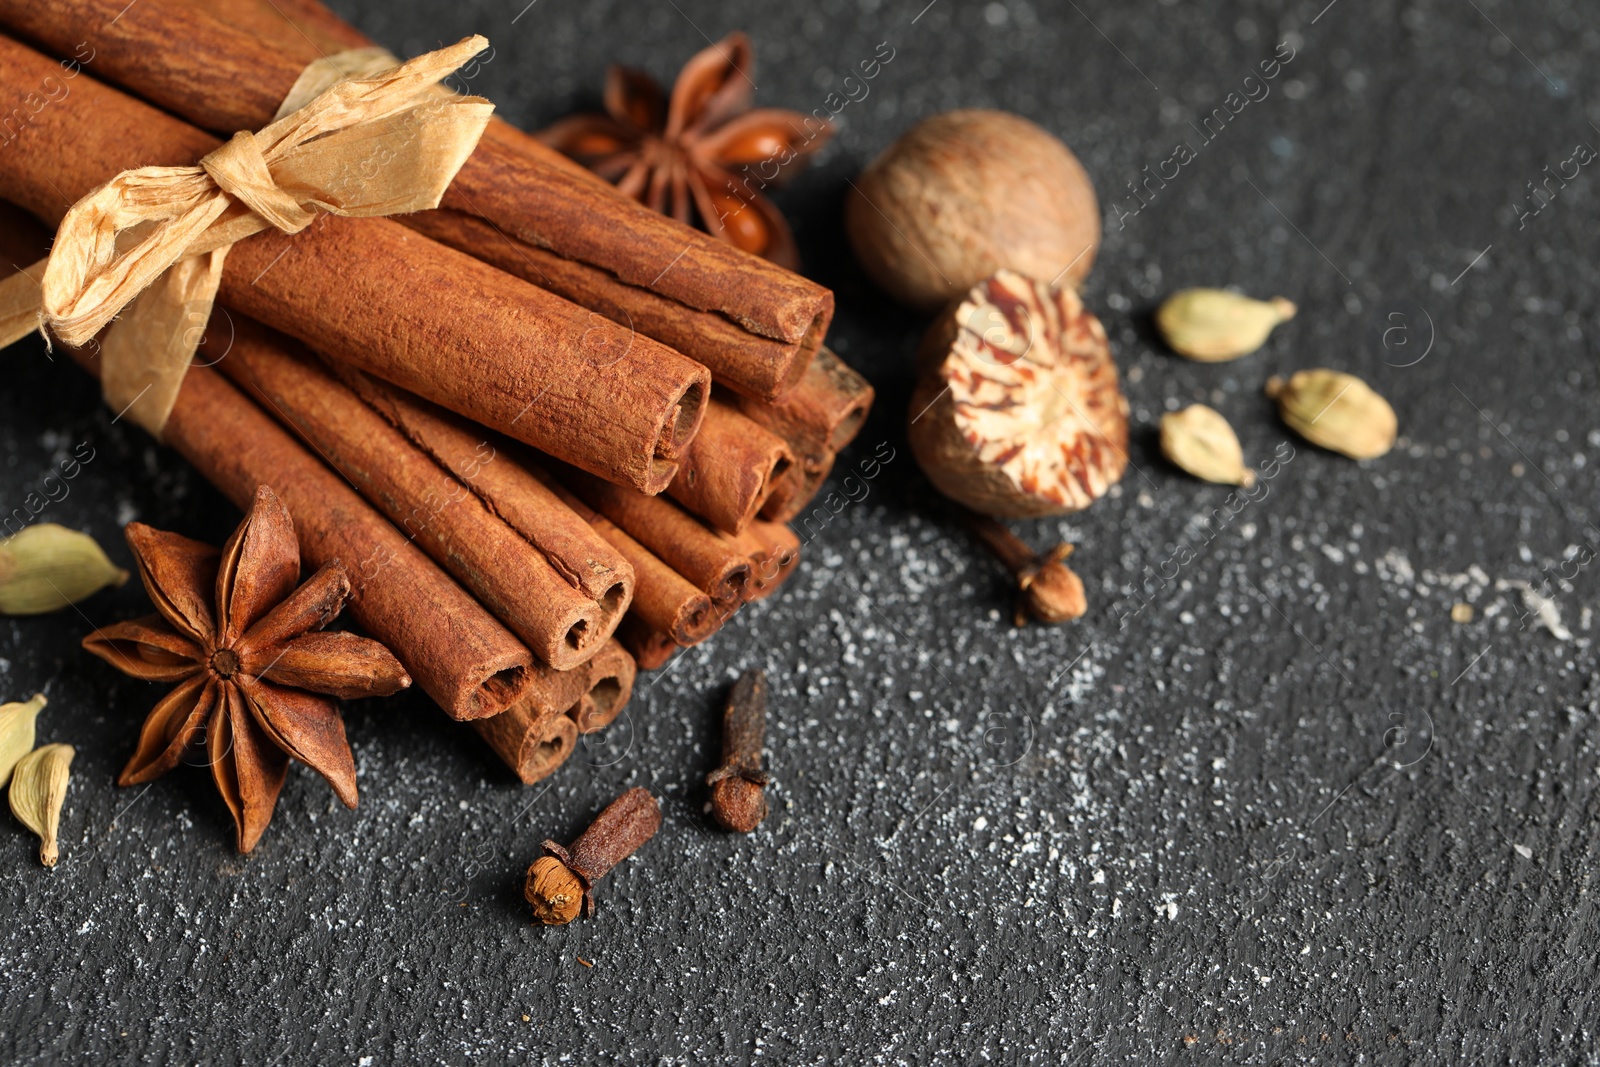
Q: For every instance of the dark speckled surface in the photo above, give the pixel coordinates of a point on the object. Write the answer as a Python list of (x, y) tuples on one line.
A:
[(1287, 812)]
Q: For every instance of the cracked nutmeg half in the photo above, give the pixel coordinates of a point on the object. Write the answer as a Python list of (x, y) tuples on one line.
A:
[(1017, 412), (255, 681)]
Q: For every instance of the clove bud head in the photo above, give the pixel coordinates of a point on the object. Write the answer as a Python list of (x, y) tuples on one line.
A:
[(738, 804), (554, 891), (1052, 593)]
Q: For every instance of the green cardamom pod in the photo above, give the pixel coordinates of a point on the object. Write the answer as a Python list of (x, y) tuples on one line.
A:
[(38, 789), (1338, 411), (1213, 325), (1200, 441), (47, 567), (16, 733)]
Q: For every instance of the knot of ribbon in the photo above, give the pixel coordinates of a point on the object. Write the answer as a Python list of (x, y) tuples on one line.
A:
[(147, 248)]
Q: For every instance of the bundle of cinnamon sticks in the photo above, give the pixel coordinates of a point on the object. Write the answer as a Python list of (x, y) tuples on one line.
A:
[(552, 435)]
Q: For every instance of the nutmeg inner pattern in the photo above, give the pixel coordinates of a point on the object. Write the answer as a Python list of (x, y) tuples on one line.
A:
[(1018, 411)]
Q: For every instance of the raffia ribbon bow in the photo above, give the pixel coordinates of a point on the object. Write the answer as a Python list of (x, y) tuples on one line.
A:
[(152, 240)]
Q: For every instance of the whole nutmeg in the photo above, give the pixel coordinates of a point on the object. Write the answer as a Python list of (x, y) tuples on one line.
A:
[(1017, 411), (965, 194)]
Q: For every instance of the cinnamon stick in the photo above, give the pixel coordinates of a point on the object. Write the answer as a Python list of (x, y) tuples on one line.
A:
[(662, 597), (578, 553), (818, 418), (534, 737), (453, 329), (560, 623), (712, 561), (798, 487), (649, 647), (774, 552), (650, 273), (531, 744), (730, 468), (611, 676), (458, 654), (747, 363)]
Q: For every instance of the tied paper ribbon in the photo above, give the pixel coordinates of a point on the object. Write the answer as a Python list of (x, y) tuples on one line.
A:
[(152, 240)]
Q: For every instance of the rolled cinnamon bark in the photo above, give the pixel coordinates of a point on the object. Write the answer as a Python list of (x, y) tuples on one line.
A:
[(649, 647), (534, 736), (798, 487), (533, 745), (227, 78), (454, 329), (458, 653), (746, 363), (611, 675), (824, 412), (775, 552), (561, 624), (730, 469), (818, 418), (712, 561), (662, 597), (587, 561)]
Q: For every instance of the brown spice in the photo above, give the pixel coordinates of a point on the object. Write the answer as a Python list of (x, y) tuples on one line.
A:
[(818, 418), (456, 651), (738, 802), (562, 624), (189, 60), (238, 638), (730, 469), (968, 193), (681, 157), (774, 554), (525, 362), (711, 560), (611, 676), (1047, 590), (649, 647), (528, 735), (1018, 412), (531, 744), (561, 882), (663, 599)]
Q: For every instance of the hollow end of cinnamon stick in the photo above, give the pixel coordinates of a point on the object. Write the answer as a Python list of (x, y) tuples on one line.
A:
[(799, 489), (823, 412), (683, 420), (533, 746), (810, 344), (774, 554), (697, 618), (486, 697), (730, 469), (650, 648), (611, 677)]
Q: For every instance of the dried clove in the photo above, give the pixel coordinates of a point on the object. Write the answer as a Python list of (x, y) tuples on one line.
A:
[(738, 802), (1047, 589), (561, 882)]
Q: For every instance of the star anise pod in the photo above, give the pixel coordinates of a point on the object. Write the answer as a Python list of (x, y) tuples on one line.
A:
[(241, 642), (704, 153)]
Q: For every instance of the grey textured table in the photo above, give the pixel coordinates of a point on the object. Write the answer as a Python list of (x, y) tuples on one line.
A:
[(1288, 811)]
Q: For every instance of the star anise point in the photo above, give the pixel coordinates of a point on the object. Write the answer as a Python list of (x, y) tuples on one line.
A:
[(256, 678), (700, 153)]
